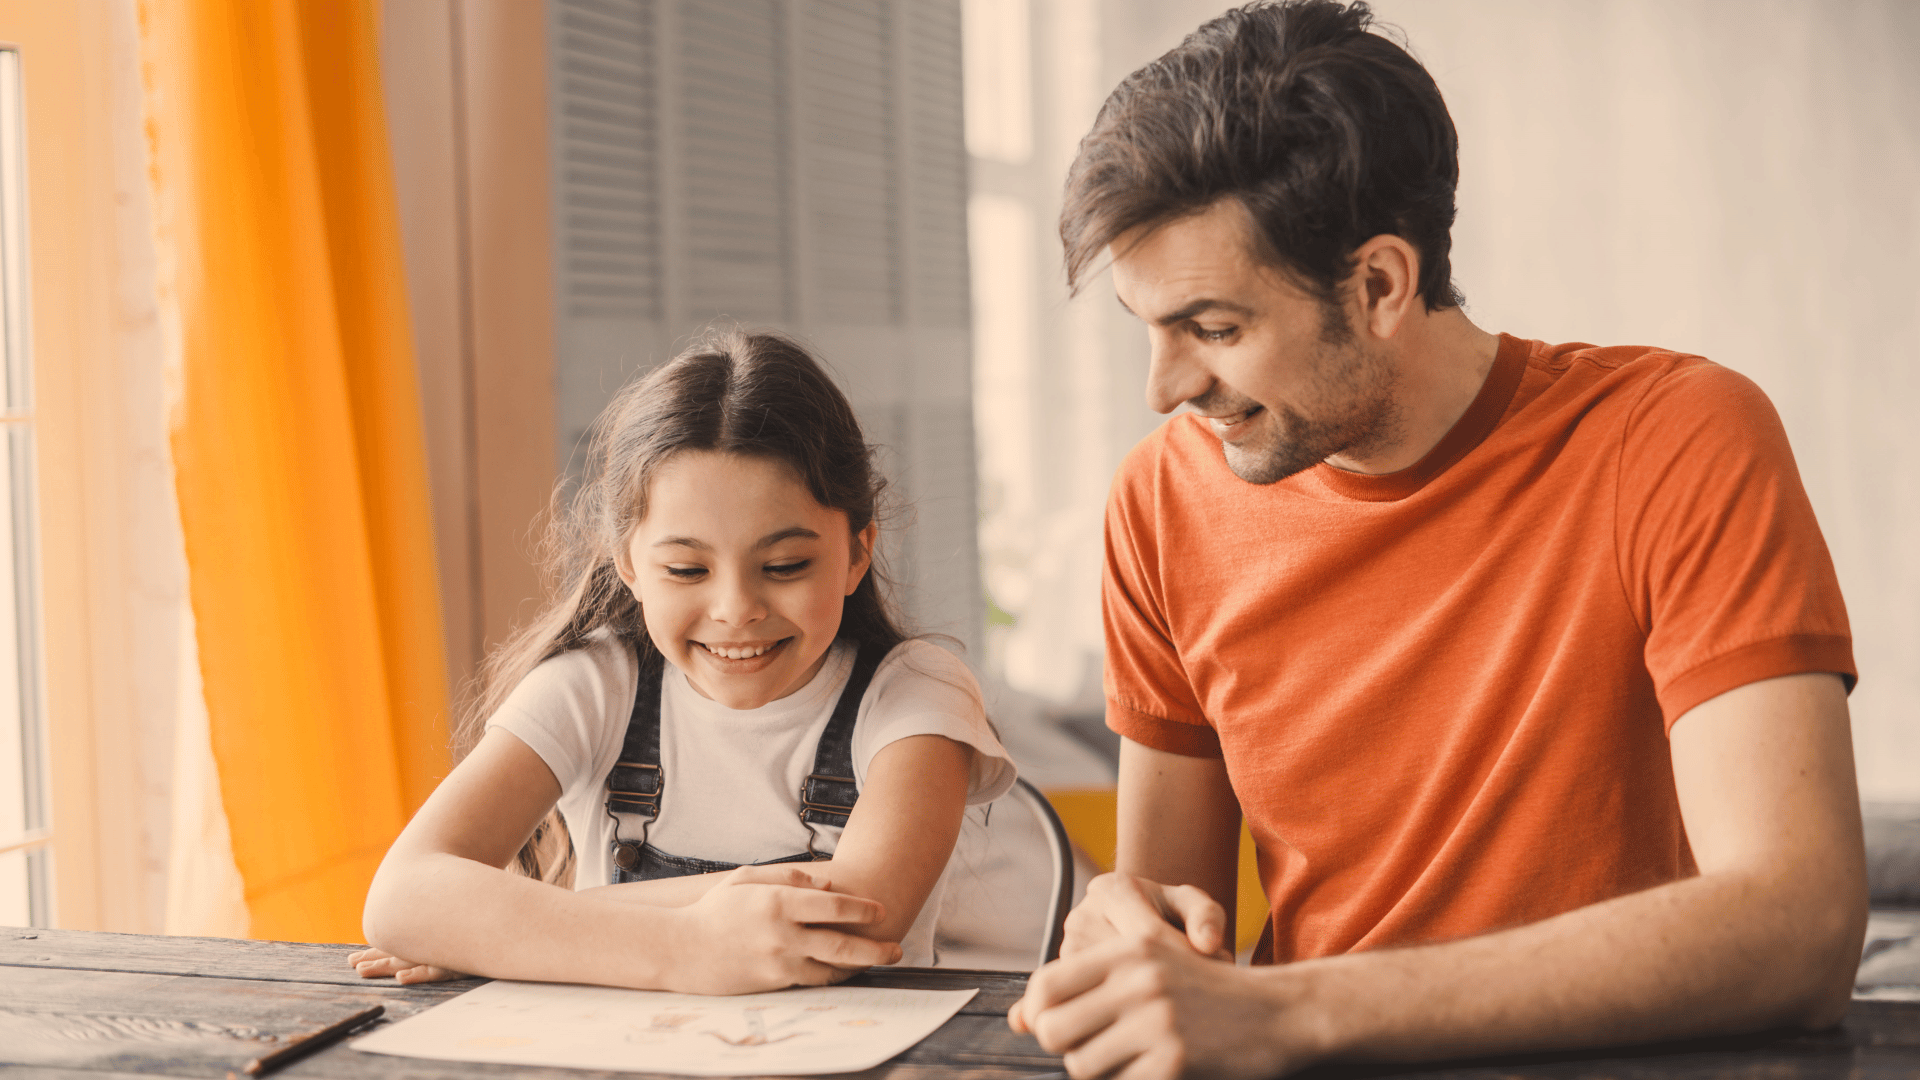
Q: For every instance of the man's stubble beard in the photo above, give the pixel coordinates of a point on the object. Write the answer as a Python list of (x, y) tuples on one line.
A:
[(1360, 418)]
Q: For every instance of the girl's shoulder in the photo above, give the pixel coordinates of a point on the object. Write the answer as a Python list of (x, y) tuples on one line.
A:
[(918, 665), (922, 689), (597, 677), (572, 708)]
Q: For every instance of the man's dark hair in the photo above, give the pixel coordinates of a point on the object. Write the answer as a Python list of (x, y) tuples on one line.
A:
[(1328, 134)]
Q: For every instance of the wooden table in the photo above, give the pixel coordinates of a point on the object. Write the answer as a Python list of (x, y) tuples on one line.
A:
[(79, 1005)]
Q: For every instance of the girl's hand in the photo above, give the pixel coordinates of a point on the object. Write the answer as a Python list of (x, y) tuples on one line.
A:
[(373, 963), (759, 929)]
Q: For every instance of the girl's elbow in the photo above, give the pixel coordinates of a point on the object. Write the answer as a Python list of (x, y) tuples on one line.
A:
[(377, 919), (387, 918)]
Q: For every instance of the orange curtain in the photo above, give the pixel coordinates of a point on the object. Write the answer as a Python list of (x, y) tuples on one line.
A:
[(298, 450)]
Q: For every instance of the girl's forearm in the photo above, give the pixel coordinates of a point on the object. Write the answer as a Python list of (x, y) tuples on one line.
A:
[(902, 830), (663, 892), (456, 913)]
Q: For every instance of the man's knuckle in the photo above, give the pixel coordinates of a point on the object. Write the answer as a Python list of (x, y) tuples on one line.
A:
[(1150, 981), (1046, 1032), (1044, 1027), (1040, 983)]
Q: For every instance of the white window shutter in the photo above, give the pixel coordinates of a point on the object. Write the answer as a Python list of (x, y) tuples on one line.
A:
[(795, 164)]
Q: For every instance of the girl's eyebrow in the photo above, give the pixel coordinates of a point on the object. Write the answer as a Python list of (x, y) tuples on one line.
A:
[(796, 532)]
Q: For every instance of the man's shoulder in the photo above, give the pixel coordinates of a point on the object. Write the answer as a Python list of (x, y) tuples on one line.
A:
[(1662, 415), (1634, 384), (1579, 364), (1632, 364)]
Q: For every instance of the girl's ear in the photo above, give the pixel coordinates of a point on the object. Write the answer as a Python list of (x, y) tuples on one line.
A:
[(623, 565), (862, 554)]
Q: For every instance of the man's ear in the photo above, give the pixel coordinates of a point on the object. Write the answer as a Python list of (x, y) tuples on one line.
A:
[(863, 542), (1387, 273)]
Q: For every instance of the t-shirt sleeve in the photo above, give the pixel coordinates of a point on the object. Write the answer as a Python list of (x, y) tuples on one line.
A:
[(571, 710), (922, 689), (1149, 698), (1722, 559)]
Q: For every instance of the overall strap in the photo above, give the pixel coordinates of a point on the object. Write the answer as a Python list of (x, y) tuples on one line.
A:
[(636, 782), (830, 792)]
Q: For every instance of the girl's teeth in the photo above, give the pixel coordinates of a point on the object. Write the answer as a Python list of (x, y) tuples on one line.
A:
[(737, 654)]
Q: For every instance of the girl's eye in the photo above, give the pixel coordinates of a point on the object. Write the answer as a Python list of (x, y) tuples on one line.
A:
[(788, 569), (686, 573)]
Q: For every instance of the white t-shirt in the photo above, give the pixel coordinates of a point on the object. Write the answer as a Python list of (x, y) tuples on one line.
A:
[(733, 776)]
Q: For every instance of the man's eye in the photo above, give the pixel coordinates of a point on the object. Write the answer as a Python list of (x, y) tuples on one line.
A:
[(1205, 334), (686, 573), (788, 569)]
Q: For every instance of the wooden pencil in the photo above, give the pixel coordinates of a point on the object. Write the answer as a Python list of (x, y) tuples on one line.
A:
[(308, 1043)]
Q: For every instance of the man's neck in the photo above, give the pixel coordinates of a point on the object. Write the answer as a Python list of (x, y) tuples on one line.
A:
[(1442, 360)]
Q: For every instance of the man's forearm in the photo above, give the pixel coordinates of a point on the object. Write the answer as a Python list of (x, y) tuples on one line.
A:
[(1768, 934), (1713, 954), (1178, 822)]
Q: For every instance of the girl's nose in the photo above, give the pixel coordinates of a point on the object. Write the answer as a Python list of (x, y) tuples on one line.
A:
[(736, 602)]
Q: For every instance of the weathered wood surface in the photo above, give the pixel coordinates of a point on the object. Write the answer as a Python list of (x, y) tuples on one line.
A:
[(286, 961), (86, 950), (79, 1005)]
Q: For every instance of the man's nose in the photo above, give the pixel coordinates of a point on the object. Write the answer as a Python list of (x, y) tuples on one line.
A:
[(736, 601), (1174, 375)]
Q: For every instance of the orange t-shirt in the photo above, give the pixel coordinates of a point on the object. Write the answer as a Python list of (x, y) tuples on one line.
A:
[(1442, 695)]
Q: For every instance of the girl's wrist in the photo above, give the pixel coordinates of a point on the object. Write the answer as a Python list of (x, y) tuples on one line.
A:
[(666, 947), (626, 944)]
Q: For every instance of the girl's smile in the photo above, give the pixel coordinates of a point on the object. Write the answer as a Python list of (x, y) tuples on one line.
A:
[(740, 659), (741, 574)]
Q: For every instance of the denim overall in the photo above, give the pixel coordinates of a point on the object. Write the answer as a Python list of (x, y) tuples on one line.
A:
[(636, 783)]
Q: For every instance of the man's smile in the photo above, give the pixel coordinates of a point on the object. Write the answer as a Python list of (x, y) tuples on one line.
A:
[(1228, 424)]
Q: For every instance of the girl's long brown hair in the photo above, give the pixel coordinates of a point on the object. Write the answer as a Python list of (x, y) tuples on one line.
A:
[(759, 394)]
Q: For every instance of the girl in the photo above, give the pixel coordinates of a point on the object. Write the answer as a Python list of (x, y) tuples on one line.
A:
[(720, 698)]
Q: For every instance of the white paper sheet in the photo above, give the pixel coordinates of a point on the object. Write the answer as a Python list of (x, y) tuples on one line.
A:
[(797, 1032)]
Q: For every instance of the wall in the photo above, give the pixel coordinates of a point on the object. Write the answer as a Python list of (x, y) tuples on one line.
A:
[(1735, 180)]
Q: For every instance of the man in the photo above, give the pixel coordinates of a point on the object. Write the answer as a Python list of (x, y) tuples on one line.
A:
[(1525, 664)]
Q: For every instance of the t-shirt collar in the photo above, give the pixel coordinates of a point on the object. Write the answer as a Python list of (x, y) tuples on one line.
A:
[(1474, 425)]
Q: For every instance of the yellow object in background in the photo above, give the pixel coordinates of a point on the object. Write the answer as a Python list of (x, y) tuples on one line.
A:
[(1089, 817), (296, 436)]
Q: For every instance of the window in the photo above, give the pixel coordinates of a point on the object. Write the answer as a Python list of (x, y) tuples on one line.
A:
[(23, 803)]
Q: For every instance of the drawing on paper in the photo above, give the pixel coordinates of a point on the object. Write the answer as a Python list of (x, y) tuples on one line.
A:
[(790, 1032)]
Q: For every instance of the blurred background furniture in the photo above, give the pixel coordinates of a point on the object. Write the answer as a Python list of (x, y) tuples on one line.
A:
[(1890, 957)]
